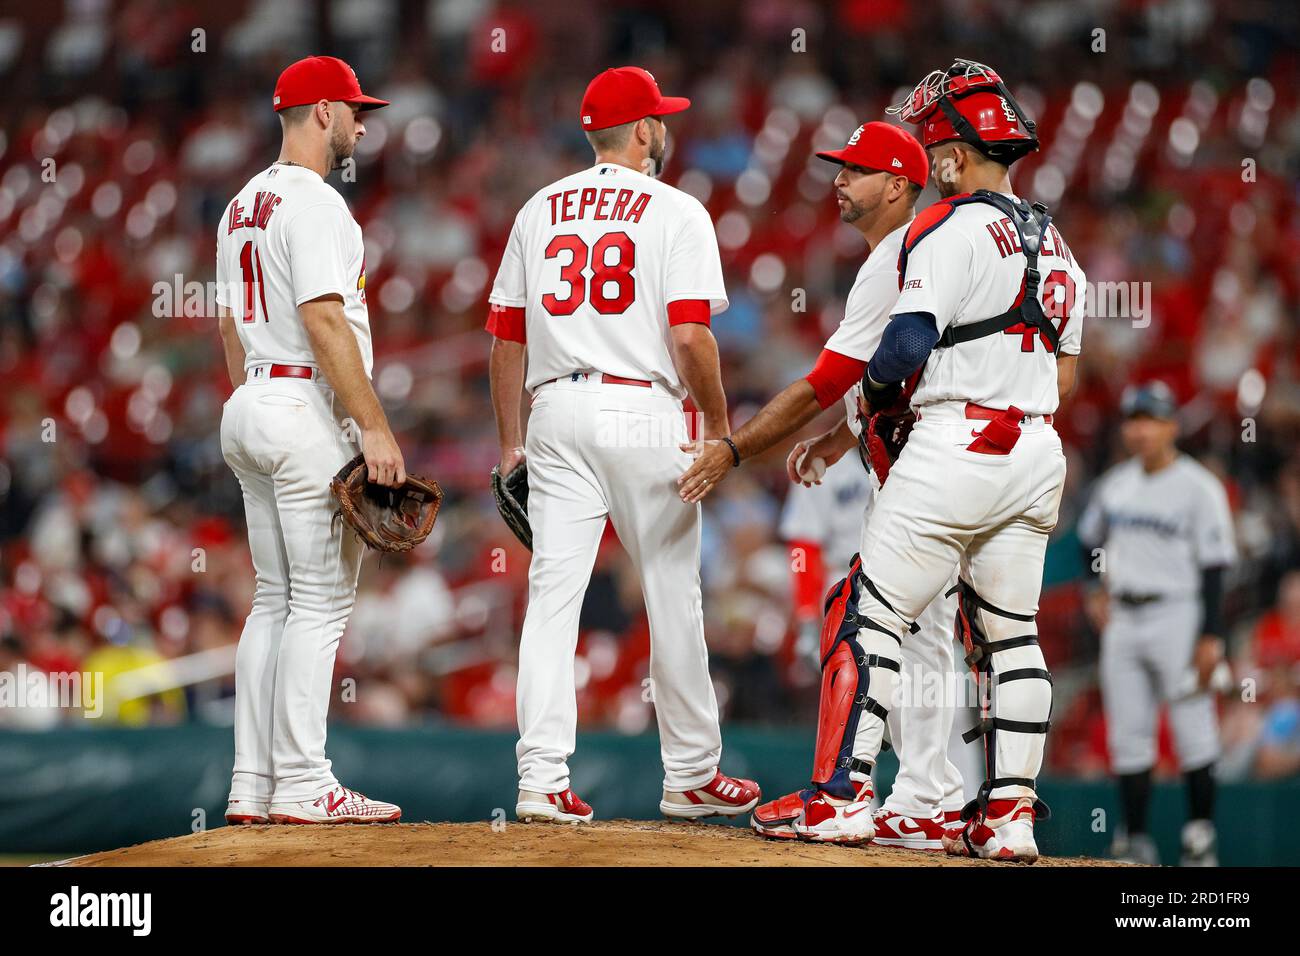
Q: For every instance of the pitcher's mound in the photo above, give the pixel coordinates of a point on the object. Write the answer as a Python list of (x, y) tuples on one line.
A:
[(612, 843)]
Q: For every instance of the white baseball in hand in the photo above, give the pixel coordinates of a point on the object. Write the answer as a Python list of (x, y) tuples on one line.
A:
[(812, 470)]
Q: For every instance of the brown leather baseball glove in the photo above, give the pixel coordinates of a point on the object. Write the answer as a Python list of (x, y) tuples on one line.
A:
[(386, 519)]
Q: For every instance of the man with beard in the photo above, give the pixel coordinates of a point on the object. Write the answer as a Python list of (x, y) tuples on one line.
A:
[(291, 288), (882, 172), (606, 286), (982, 345)]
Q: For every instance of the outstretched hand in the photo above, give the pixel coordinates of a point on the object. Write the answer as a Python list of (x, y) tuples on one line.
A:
[(712, 462)]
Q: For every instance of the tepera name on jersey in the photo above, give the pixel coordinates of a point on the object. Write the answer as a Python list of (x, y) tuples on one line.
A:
[(601, 204)]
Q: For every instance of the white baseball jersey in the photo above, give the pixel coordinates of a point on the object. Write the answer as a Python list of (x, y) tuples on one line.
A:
[(1159, 530), (870, 301), (963, 265), (866, 313), (594, 260), (831, 513), (287, 238)]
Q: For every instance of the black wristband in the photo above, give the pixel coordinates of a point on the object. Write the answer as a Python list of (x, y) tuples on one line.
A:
[(735, 452), (1212, 601)]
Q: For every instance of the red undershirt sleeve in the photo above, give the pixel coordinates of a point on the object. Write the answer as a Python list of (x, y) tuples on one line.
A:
[(684, 311), (833, 375), (507, 322)]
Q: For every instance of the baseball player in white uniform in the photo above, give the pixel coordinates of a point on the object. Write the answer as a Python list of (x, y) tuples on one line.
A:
[(1164, 530), (927, 794), (606, 286), (883, 170), (985, 334), (821, 522), (291, 281), (824, 519)]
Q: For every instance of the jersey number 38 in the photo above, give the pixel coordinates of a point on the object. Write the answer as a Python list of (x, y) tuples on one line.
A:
[(612, 285)]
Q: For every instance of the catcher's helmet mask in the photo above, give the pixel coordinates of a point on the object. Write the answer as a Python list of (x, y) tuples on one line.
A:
[(945, 90)]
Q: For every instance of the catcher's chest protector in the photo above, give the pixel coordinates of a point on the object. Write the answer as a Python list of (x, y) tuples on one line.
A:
[(845, 684), (1030, 223)]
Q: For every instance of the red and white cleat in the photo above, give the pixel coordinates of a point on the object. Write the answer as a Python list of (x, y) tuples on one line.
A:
[(828, 819), (1002, 831), (907, 833), (340, 805), (247, 812), (563, 807), (722, 796), (775, 819)]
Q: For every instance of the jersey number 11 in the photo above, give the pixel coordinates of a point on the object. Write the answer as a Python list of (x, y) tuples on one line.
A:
[(250, 259)]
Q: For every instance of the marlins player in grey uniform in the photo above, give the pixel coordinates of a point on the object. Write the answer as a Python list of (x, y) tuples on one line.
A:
[(1164, 529)]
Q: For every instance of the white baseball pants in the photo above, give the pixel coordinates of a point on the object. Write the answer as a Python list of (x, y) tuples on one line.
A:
[(285, 439), (921, 715), (598, 451), (990, 515), (1146, 660)]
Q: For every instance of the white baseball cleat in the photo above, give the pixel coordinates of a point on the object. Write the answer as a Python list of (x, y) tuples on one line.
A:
[(563, 807), (339, 805), (828, 819), (722, 796), (1004, 830), (247, 812)]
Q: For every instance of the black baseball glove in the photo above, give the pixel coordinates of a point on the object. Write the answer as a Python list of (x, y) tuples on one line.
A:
[(511, 494)]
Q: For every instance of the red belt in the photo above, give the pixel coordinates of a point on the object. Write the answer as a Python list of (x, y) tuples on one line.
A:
[(606, 379), (988, 414), (291, 371)]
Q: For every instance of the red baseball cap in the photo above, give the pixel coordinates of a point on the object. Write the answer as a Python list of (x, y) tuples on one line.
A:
[(884, 147), (319, 78), (623, 95)]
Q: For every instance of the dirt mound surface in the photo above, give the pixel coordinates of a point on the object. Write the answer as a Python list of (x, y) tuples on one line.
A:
[(612, 843)]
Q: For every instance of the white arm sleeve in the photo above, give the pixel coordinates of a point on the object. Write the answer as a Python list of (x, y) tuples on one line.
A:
[(225, 292), (1092, 523), (694, 269), (1213, 532), (511, 287), (318, 239), (1072, 332), (938, 269), (866, 313)]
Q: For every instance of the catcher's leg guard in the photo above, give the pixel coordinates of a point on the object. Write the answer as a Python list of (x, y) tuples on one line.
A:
[(1015, 711), (851, 719), (857, 656)]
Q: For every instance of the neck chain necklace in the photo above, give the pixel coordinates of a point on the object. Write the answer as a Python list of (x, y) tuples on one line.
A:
[(289, 162)]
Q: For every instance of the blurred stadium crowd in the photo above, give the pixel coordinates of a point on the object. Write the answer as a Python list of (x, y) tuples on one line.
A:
[(1170, 160)]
